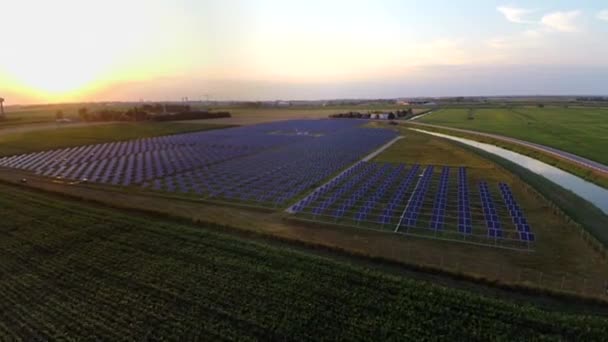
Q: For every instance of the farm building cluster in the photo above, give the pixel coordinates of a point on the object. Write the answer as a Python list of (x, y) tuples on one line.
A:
[(375, 115)]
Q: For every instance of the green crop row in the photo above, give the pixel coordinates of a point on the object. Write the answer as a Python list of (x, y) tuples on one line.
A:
[(71, 271)]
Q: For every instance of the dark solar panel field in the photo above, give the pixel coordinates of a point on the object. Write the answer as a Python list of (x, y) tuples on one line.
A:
[(273, 165), (263, 165), (428, 201)]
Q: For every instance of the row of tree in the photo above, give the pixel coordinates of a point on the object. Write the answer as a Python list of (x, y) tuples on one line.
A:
[(391, 115), (141, 114)]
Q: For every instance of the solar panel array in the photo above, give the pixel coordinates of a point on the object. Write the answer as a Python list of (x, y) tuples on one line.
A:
[(516, 213), (489, 211), (266, 164), (414, 205), (464, 205), (418, 200), (441, 200)]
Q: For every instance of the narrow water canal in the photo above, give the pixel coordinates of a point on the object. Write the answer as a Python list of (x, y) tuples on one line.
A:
[(586, 190)]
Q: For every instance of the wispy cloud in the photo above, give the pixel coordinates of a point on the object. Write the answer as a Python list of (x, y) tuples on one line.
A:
[(603, 15), (562, 21), (514, 14)]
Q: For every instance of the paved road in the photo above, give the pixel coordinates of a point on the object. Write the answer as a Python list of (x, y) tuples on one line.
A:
[(414, 118), (590, 164), (46, 126)]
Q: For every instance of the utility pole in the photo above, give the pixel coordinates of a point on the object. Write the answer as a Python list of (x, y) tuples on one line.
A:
[(1, 108)]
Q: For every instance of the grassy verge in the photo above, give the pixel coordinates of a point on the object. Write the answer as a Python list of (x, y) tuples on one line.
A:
[(113, 275), (18, 143), (573, 168)]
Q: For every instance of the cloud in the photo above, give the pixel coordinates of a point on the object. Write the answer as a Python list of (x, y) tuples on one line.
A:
[(521, 40), (562, 21), (603, 15), (514, 14), (537, 33)]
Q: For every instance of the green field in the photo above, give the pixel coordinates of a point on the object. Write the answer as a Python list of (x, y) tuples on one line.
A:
[(17, 143), (579, 130), (46, 113), (72, 271)]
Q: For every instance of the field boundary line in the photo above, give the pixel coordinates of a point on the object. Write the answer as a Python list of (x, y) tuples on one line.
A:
[(408, 234)]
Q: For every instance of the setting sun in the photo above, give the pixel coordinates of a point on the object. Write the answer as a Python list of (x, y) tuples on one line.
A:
[(73, 47)]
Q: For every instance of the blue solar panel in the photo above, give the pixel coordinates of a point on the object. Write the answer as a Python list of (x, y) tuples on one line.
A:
[(516, 213)]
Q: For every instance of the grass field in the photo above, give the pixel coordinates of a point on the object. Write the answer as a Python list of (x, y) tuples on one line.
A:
[(45, 113), (73, 271), (579, 130), (17, 143)]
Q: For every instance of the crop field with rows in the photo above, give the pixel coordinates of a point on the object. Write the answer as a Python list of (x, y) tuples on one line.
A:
[(74, 271)]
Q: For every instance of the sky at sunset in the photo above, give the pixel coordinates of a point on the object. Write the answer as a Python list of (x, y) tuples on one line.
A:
[(62, 50)]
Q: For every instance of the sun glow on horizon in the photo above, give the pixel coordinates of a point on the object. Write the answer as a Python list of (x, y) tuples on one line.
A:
[(66, 49), (73, 50)]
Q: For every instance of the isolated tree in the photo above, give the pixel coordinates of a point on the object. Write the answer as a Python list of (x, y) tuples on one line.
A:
[(471, 114), (59, 115), (83, 114), (540, 105)]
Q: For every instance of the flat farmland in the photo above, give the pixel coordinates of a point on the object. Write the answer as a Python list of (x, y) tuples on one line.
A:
[(37, 114), (65, 136), (16, 116), (579, 130), (74, 271), (560, 253), (280, 167), (250, 116)]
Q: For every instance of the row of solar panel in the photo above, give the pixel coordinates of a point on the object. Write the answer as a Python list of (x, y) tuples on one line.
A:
[(343, 199), (464, 211), (262, 163), (441, 199), (516, 213)]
